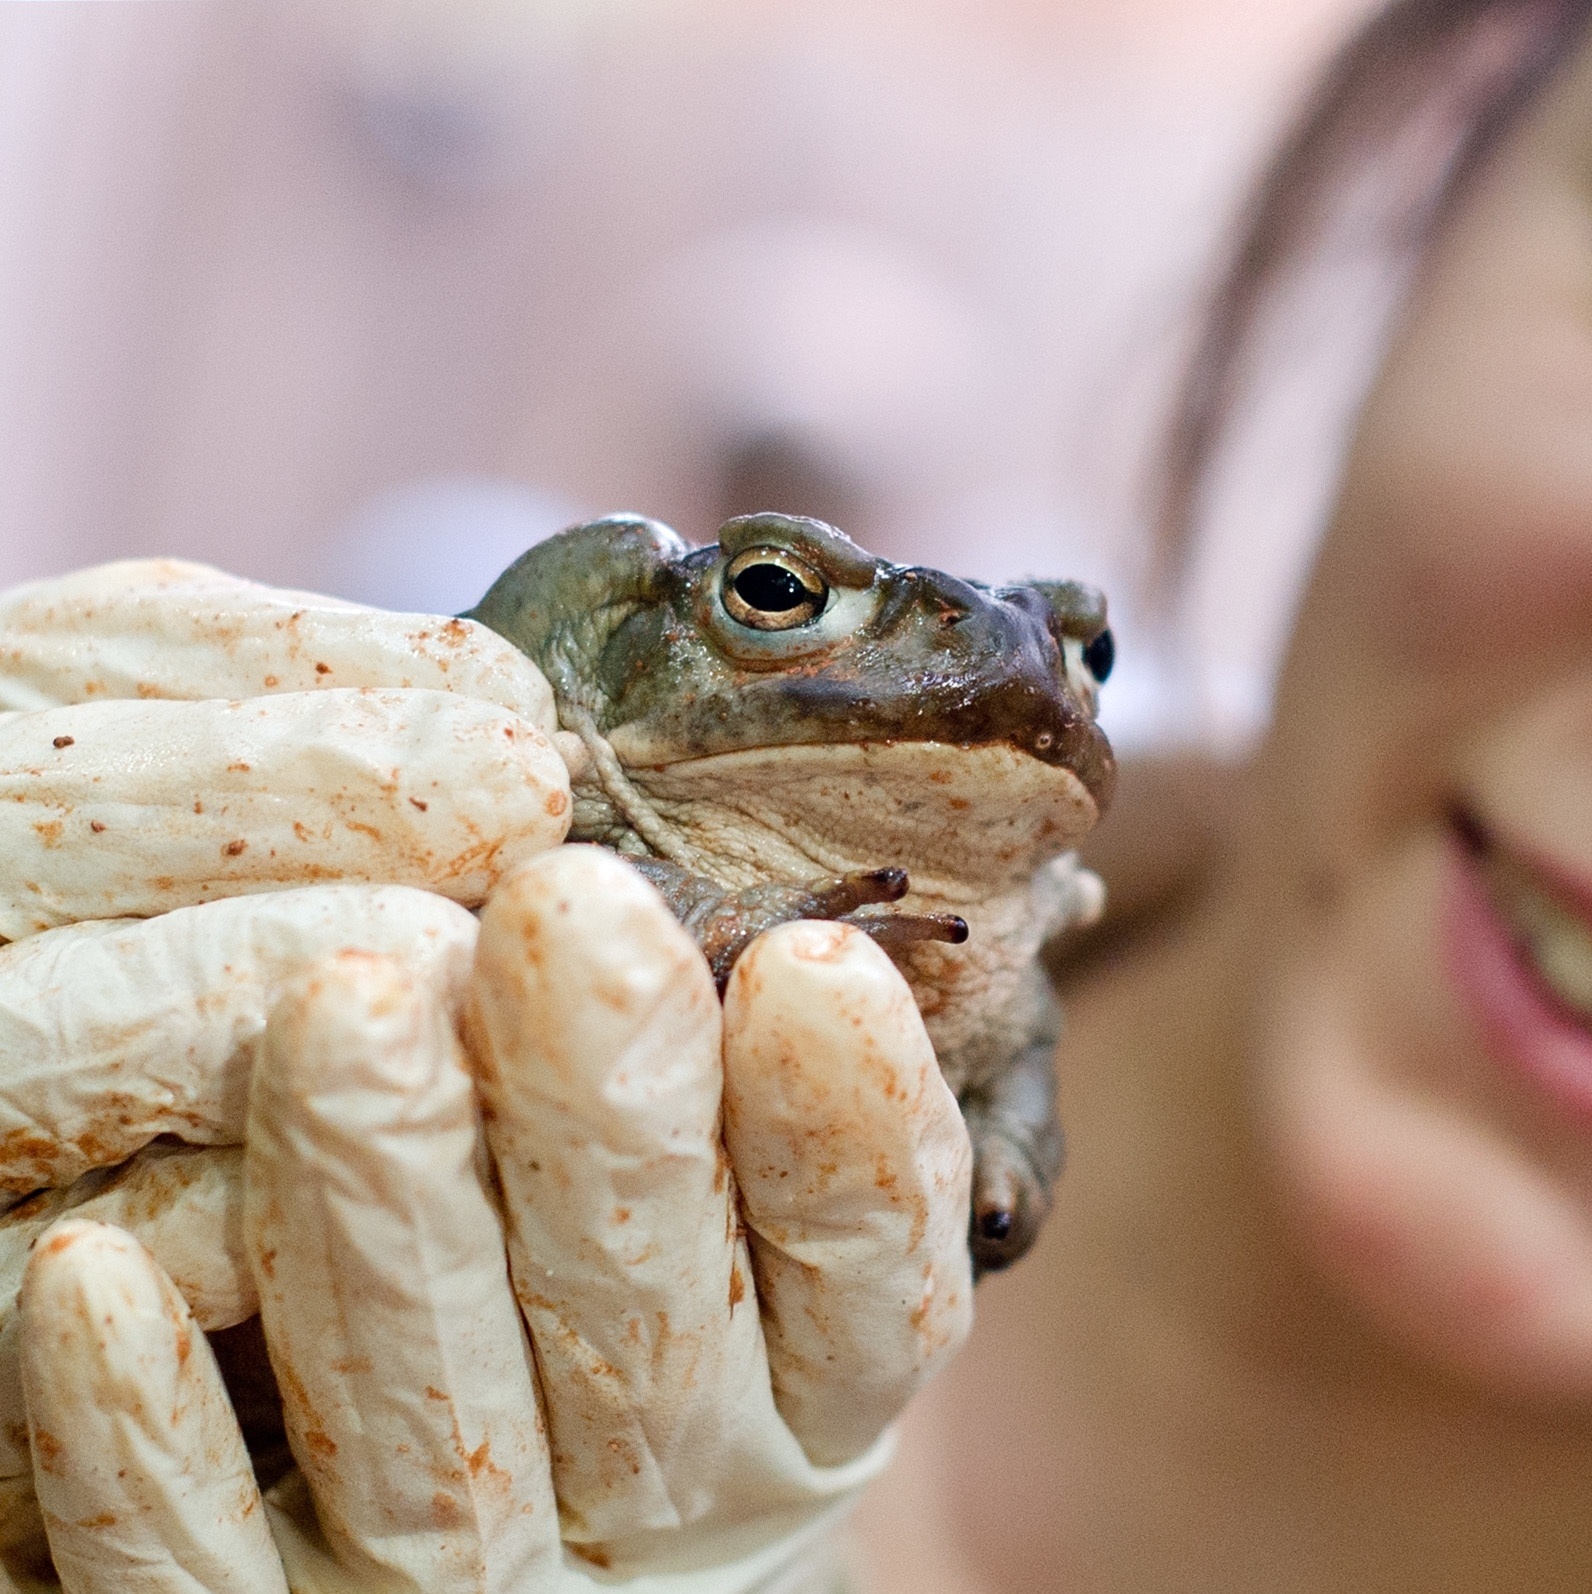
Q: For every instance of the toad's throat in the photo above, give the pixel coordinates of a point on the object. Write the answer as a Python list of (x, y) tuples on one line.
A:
[(966, 822)]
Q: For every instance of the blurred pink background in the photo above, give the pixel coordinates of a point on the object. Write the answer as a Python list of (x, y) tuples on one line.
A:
[(368, 296)]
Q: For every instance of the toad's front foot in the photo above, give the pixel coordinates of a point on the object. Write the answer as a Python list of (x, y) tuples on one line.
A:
[(726, 922)]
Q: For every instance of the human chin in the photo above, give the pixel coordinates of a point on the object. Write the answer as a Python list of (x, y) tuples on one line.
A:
[(1444, 1197)]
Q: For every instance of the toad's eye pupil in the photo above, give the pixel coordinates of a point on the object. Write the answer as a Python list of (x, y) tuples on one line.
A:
[(768, 589), (1100, 655), (771, 588)]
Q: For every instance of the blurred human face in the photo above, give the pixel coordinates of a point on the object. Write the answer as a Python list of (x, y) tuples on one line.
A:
[(1424, 867)]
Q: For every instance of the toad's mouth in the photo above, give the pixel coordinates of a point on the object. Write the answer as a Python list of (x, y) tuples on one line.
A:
[(960, 818), (1076, 752), (1548, 922)]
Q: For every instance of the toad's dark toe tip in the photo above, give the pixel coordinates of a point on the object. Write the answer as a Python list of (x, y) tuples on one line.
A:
[(996, 1226), (893, 884)]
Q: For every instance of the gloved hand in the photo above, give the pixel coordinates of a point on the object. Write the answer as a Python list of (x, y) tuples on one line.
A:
[(709, 1396)]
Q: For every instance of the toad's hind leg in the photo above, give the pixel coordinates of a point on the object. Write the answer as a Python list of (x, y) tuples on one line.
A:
[(1010, 1110), (1017, 1155)]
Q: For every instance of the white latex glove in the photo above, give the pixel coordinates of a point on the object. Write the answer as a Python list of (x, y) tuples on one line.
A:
[(684, 1445), (329, 743)]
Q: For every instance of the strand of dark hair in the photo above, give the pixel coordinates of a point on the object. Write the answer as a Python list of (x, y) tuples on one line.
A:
[(1384, 76)]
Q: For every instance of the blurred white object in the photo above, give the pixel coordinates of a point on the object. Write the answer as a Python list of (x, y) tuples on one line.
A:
[(838, 343), (435, 546), (468, 93)]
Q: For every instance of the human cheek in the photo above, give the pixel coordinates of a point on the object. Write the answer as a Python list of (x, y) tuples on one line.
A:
[(1426, 624), (1457, 574), (1529, 775), (1471, 473), (1446, 1205), (1357, 750)]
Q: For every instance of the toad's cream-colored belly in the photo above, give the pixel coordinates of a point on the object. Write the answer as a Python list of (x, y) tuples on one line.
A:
[(971, 993), (970, 825)]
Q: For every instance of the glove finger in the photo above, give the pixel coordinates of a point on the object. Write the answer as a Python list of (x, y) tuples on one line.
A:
[(141, 1472), (111, 1034), (147, 628), (406, 1377), (99, 817), (854, 1170), (183, 1205), (597, 1036)]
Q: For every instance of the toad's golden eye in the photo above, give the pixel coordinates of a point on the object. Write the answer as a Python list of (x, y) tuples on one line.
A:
[(769, 589)]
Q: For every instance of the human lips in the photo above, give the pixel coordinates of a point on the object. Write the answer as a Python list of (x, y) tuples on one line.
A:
[(1517, 933)]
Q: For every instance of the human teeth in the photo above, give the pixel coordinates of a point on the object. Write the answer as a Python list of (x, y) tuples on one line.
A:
[(1558, 943), (1562, 952)]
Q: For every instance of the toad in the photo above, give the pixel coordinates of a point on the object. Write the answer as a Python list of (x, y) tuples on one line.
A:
[(782, 726)]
